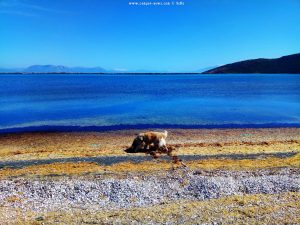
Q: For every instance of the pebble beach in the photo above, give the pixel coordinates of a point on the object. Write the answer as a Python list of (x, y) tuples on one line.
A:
[(228, 178)]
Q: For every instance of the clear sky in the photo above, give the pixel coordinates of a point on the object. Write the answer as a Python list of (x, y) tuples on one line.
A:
[(115, 35)]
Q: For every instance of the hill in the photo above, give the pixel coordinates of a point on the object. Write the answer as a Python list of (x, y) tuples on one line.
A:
[(286, 64)]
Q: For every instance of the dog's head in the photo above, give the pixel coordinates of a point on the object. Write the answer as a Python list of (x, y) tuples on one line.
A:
[(129, 150), (137, 145)]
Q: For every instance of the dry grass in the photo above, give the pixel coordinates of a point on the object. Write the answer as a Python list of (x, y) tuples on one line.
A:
[(229, 164), (53, 169), (250, 209), (198, 141), (239, 148), (149, 167), (8, 153)]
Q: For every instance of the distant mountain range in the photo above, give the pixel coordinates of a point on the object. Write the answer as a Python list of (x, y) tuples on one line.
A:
[(285, 64), (64, 69), (55, 69)]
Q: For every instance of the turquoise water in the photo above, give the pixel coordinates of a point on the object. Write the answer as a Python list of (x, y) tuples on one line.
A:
[(58, 102)]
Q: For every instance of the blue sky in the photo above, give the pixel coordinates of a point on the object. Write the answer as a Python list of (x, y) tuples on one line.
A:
[(114, 35)]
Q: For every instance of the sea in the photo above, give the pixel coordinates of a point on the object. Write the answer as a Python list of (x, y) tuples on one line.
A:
[(96, 102)]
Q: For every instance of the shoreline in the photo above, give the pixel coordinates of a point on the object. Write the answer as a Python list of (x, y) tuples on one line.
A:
[(57, 128)]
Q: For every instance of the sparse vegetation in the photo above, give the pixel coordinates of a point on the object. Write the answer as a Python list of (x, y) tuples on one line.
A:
[(249, 209), (149, 166), (189, 142)]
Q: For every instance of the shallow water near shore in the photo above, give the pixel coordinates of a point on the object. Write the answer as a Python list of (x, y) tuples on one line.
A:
[(62, 102)]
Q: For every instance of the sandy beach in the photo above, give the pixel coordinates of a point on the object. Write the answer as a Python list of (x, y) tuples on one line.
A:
[(77, 177)]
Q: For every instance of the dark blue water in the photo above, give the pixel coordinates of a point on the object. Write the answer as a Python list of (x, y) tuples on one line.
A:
[(39, 102)]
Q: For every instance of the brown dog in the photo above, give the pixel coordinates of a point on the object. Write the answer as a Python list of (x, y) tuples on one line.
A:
[(153, 143), (147, 141)]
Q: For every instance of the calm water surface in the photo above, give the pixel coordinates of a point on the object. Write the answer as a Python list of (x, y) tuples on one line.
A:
[(60, 101)]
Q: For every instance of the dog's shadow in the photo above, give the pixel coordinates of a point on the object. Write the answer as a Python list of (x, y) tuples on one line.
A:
[(132, 150), (156, 153)]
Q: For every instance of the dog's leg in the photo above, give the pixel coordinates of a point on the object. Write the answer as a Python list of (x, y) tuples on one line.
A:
[(146, 146)]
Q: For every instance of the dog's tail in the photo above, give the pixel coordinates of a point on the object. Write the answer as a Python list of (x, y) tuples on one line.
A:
[(166, 133)]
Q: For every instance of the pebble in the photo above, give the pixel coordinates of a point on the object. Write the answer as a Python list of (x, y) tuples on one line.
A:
[(63, 193)]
